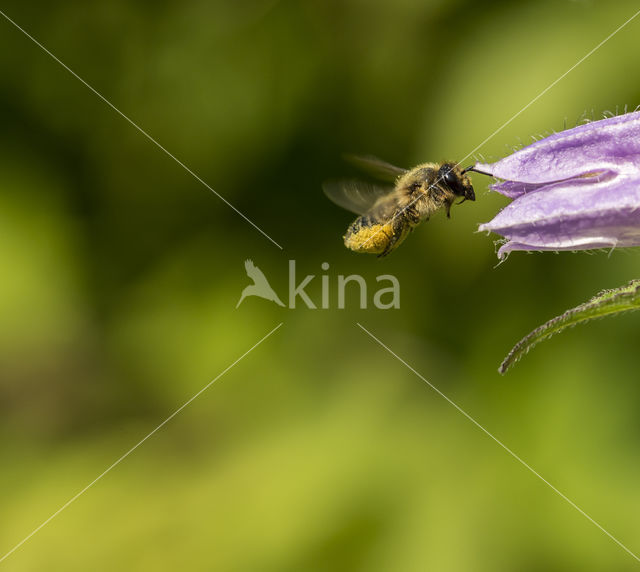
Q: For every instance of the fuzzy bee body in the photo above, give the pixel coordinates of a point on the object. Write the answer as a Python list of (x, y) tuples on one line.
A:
[(389, 213)]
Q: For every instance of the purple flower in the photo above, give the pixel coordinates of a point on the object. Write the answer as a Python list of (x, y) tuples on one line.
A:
[(574, 190)]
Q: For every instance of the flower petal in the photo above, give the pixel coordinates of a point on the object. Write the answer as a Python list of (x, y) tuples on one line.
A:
[(611, 144), (515, 189), (572, 215)]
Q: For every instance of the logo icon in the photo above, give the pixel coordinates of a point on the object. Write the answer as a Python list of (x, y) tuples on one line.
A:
[(260, 286), (384, 298)]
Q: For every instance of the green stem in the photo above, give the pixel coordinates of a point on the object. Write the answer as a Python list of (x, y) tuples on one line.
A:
[(605, 303)]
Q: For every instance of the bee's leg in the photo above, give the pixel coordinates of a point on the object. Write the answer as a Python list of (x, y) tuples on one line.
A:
[(414, 218), (398, 229), (390, 246), (448, 207)]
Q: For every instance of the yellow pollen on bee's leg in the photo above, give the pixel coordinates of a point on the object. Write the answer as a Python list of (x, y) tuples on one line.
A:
[(372, 239)]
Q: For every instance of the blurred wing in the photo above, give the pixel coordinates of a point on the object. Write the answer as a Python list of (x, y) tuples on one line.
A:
[(385, 208), (375, 167), (355, 196)]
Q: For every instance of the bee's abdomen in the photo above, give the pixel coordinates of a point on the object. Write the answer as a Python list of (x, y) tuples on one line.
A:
[(366, 235)]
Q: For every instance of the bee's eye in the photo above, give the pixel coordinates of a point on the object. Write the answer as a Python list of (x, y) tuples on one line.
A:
[(452, 180), (449, 177)]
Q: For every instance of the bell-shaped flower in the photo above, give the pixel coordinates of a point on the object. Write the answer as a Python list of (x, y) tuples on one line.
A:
[(574, 190)]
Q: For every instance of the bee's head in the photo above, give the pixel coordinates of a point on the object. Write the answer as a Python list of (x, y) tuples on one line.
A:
[(457, 180)]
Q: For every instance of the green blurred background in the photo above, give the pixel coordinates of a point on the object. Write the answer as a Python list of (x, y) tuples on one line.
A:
[(319, 450)]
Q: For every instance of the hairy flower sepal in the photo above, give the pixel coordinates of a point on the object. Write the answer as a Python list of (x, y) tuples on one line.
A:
[(606, 303), (574, 190)]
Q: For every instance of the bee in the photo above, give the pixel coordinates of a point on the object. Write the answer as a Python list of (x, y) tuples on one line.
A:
[(388, 213)]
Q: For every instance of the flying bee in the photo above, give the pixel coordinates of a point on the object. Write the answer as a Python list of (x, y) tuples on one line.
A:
[(388, 213)]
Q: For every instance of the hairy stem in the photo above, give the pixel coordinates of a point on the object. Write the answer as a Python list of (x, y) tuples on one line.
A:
[(605, 303)]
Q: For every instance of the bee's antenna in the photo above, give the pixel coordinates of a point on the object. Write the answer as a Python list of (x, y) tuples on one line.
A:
[(472, 168)]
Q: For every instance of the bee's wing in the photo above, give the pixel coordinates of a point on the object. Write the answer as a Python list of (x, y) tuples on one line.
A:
[(375, 167), (355, 196)]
